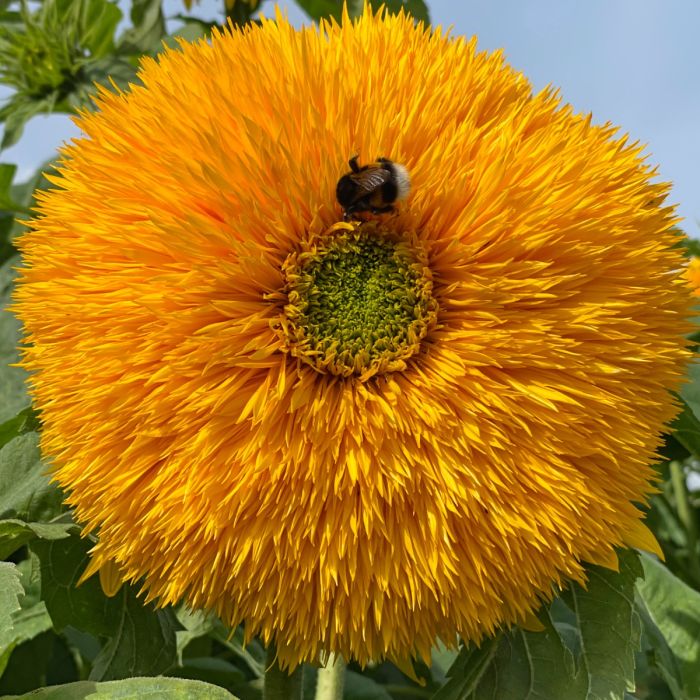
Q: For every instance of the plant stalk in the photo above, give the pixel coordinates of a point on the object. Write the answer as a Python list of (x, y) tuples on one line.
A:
[(278, 684), (686, 516), (331, 679)]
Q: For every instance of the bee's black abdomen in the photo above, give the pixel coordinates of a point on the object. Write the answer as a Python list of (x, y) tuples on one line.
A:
[(389, 191)]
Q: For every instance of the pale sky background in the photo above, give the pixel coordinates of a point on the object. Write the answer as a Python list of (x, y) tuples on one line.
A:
[(631, 62)]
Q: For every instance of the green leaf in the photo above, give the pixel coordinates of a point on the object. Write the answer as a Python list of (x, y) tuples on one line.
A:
[(148, 30), (690, 392), (518, 665), (111, 68), (442, 660), (686, 428), (7, 174), (98, 22), (85, 607), (658, 657), (25, 489), (674, 609), (10, 593), (30, 622), (609, 628), (12, 379), (321, 9), (253, 654), (359, 687), (663, 521), (418, 9), (587, 654), (16, 533), (26, 421), (28, 666), (191, 30), (529, 665), (211, 670), (672, 449), (7, 227), (143, 644), (141, 639), (468, 669), (155, 688), (26, 620), (195, 624), (7, 202)]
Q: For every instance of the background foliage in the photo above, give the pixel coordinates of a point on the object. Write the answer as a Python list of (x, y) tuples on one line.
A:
[(634, 633)]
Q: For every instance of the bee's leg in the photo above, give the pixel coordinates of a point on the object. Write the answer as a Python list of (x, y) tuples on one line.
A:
[(353, 163), (352, 211)]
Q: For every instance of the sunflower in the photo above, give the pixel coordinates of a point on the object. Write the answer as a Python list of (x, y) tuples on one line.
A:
[(692, 273), (354, 436)]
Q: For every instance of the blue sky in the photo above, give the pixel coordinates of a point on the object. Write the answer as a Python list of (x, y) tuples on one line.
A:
[(631, 62)]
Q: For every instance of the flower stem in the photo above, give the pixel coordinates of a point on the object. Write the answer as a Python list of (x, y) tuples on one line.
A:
[(331, 679), (686, 516), (280, 685)]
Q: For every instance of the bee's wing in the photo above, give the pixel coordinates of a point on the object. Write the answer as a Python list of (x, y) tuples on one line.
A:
[(370, 179)]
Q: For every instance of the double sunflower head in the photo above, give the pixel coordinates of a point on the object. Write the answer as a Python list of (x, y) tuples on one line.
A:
[(355, 436)]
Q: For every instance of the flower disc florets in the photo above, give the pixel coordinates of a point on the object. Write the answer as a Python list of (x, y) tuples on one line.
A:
[(354, 437), (359, 301)]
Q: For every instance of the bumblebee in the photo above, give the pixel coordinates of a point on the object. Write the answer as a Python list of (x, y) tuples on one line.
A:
[(374, 188)]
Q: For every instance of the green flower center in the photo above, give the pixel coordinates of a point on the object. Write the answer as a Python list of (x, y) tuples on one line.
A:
[(359, 302)]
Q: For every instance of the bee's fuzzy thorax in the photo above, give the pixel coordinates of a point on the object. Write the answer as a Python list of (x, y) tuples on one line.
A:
[(402, 180)]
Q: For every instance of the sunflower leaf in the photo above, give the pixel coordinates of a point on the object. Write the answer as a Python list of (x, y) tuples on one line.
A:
[(609, 629), (148, 28), (7, 225), (98, 20), (195, 624), (144, 642), (162, 688), (212, 670), (252, 654), (16, 533), (28, 620), (686, 427), (26, 421), (321, 9), (141, 640), (670, 610), (416, 8), (84, 607), (466, 672), (26, 492), (359, 687), (10, 593), (110, 68), (12, 379), (519, 665), (658, 658), (7, 201)]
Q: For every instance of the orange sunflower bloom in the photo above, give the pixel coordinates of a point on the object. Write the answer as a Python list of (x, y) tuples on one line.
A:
[(692, 273), (354, 436)]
